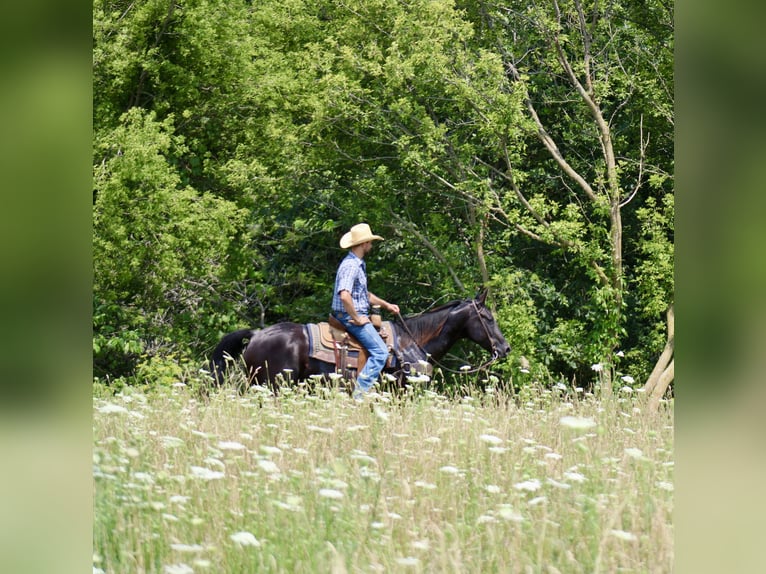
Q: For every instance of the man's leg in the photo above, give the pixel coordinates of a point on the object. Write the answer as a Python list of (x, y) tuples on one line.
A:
[(370, 338)]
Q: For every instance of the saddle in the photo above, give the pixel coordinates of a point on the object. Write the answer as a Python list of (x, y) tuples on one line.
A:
[(331, 343)]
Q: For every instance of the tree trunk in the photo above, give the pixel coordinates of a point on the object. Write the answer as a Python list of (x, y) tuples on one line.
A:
[(664, 371), (662, 385)]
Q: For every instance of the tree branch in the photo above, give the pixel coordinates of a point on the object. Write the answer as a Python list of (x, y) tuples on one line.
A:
[(551, 146), (430, 246), (641, 160)]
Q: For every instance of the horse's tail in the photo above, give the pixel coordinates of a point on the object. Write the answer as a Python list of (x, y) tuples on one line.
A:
[(230, 348)]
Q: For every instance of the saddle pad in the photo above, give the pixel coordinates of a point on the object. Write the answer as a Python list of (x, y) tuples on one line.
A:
[(321, 345), (328, 334)]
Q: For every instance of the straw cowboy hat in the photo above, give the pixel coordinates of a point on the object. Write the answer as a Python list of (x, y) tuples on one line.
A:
[(360, 233)]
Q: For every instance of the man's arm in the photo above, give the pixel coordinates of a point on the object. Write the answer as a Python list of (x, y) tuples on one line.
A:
[(348, 303), (375, 300)]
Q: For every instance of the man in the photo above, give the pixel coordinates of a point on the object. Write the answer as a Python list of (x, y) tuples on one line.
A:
[(351, 304)]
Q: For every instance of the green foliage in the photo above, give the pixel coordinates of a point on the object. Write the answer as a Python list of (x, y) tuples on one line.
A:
[(235, 144), (155, 240)]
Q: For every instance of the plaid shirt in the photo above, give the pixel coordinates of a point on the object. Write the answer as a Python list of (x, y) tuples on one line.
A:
[(352, 277)]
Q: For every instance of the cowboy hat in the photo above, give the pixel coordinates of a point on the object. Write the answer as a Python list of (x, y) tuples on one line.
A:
[(360, 233)]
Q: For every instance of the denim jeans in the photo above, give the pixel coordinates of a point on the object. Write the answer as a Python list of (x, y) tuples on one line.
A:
[(368, 336)]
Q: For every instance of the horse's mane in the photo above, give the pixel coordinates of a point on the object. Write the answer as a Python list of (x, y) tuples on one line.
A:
[(431, 321)]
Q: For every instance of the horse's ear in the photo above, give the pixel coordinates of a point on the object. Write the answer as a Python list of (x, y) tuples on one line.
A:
[(482, 296)]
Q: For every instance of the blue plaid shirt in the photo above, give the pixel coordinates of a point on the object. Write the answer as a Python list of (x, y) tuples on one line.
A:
[(352, 277)]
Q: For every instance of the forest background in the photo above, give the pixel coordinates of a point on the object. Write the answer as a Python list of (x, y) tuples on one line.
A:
[(524, 146)]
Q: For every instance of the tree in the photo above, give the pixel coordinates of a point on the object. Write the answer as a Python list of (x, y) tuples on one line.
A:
[(596, 82), (527, 147), (159, 246)]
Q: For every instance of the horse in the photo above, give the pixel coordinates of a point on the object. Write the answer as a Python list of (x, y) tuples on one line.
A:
[(284, 347)]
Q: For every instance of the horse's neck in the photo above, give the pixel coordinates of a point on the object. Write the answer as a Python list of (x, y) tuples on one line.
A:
[(435, 335)]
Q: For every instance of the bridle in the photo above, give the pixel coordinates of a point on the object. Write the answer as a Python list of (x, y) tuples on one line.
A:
[(495, 353)]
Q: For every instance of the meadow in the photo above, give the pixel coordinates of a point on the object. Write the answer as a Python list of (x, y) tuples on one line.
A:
[(549, 480)]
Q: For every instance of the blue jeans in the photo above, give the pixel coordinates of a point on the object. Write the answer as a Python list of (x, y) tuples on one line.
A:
[(369, 337)]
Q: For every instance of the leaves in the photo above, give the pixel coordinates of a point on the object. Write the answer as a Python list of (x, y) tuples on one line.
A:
[(233, 146)]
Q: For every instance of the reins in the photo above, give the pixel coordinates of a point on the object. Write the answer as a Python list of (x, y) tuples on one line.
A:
[(481, 367)]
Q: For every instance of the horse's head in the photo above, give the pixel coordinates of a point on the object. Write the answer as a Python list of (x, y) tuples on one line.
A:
[(482, 328)]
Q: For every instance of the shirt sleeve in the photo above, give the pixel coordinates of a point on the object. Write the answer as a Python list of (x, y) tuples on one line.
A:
[(346, 276)]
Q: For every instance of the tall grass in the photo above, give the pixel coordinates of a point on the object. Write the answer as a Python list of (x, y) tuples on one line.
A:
[(546, 481)]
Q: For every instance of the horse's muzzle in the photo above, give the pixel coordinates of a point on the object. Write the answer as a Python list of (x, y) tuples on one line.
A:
[(502, 352)]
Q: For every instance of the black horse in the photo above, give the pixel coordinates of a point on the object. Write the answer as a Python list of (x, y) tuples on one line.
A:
[(426, 337)]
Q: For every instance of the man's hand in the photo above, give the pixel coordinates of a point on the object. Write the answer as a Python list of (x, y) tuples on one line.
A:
[(362, 320), (393, 308)]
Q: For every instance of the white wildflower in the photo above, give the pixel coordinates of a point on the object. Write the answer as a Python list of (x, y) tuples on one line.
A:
[(205, 473), (187, 547), (245, 539), (420, 544), (268, 466), (507, 513), (322, 430), (598, 367), (557, 484), (491, 439), (110, 408), (578, 423), (271, 449), (623, 535), (485, 518), (528, 485), (450, 469), (171, 441), (628, 379), (178, 569), (574, 476), (230, 445), (407, 561), (634, 453), (380, 413), (424, 484), (664, 485), (330, 493), (492, 489), (537, 500)]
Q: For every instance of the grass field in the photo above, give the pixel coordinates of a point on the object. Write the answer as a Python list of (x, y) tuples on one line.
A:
[(547, 481)]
